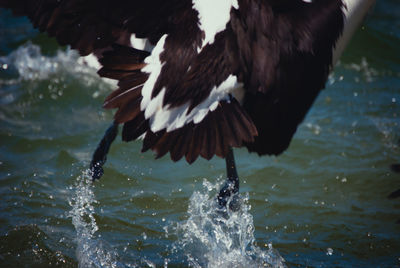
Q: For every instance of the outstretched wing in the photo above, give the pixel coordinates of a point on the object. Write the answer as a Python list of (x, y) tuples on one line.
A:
[(89, 25), (174, 93), (222, 73), (183, 97), (275, 53), (285, 55)]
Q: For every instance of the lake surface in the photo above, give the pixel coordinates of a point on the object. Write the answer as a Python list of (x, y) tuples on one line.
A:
[(323, 203)]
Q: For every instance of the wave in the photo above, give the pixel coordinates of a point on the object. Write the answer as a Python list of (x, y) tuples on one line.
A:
[(28, 63)]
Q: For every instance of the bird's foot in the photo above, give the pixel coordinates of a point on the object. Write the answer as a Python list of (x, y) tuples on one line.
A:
[(229, 196), (100, 155)]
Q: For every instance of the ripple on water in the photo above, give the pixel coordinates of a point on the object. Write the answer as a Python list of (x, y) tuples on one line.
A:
[(28, 244)]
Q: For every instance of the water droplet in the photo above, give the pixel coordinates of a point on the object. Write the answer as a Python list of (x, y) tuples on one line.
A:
[(329, 251), (95, 95), (231, 233)]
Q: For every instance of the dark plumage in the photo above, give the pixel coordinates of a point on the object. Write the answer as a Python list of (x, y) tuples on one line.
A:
[(246, 79)]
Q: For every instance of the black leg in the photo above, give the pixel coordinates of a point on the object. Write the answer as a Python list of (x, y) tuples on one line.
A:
[(395, 168), (231, 186), (100, 155)]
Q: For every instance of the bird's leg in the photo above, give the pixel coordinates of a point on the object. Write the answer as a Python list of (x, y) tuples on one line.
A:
[(100, 155), (231, 186)]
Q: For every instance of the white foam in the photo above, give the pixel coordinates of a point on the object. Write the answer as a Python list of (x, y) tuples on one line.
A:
[(31, 65), (209, 238)]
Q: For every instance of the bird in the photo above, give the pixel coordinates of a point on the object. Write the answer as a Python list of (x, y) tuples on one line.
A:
[(197, 78)]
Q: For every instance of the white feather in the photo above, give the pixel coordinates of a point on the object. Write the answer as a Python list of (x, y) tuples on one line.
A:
[(354, 12), (153, 68), (213, 17), (141, 43), (174, 118)]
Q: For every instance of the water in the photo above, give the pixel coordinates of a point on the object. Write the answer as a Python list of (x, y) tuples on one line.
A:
[(323, 203)]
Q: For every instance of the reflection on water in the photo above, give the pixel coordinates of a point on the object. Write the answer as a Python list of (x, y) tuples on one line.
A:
[(27, 245)]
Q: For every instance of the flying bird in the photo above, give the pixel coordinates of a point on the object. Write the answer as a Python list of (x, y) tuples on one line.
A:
[(199, 77)]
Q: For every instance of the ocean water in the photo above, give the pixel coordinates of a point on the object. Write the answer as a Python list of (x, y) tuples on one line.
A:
[(322, 203)]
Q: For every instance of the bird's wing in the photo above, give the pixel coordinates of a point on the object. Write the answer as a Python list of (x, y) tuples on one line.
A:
[(182, 99), (186, 95), (285, 55), (90, 25), (278, 53), (178, 97)]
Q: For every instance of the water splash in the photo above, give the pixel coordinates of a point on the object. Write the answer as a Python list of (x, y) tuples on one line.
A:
[(389, 129), (30, 64), (368, 73), (212, 237), (91, 251)]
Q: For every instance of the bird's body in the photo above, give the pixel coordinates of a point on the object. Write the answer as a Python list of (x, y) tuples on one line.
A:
[(197, 77)]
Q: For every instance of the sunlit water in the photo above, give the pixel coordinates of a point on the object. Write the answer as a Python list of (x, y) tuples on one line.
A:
[(323, 203)]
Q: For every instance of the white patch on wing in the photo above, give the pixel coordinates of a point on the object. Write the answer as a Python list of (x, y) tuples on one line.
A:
[(153, 68), (354, 11), (213, 17), (174, 118), (90, 60), (165, 117), (141, 43)]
